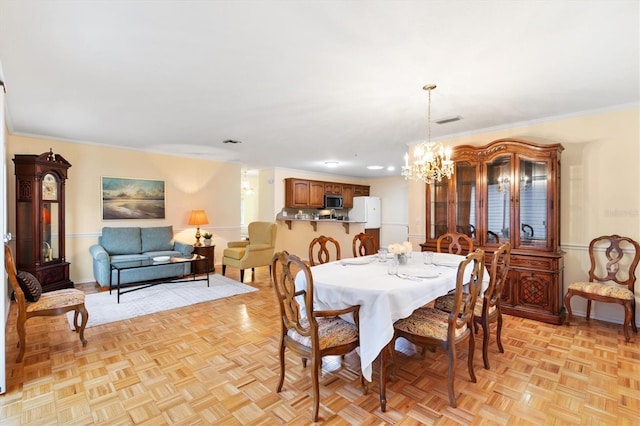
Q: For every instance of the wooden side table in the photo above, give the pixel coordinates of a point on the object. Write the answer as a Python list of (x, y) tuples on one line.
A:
[(209, 253)]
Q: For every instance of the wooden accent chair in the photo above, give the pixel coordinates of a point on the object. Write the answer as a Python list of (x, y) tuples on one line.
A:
[(457, 243), (309, 333), (49, 304), (364, 245), (611, 277), (257, 251), (432, 327), (320, 250), (487, 309)]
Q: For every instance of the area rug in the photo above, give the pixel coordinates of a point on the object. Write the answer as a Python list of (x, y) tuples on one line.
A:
[(104, 308)]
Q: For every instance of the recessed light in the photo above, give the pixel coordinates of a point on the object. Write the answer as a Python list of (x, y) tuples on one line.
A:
[(375, 167), (331, 164), (390, 168)]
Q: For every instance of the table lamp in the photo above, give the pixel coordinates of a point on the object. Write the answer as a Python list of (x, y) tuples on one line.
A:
[(197, 218)]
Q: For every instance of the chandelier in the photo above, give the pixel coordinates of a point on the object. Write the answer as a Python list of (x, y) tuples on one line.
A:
[(247, 189), (431, 161)]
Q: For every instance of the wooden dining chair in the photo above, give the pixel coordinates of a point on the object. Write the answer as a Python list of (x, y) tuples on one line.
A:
[(364, 245), (309, 333), (320, 250), (455, 243), (428, 326), (611, 278), (25, 286), (487, 309)]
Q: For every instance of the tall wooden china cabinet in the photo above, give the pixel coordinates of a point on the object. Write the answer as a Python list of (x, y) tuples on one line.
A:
[(508, 190), (40, 249)]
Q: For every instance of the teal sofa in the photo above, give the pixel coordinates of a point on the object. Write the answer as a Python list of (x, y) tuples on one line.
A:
[(138, 243)]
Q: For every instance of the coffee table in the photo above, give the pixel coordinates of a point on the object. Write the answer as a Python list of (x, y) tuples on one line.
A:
[(150, 263)]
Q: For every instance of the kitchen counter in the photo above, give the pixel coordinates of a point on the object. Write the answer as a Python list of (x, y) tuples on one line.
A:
[(314, 222)]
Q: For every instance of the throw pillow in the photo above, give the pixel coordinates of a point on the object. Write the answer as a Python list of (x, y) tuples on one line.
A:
[(30, 286)]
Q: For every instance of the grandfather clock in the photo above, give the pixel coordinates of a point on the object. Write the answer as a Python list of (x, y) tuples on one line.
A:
[(40, 182)]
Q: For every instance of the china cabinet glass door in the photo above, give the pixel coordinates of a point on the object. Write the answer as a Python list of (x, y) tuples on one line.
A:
[(498, 199), (438, 209), (466, 199), (532, 198)]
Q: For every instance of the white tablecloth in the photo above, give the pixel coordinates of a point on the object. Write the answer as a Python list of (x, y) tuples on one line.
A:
[(383, 298)]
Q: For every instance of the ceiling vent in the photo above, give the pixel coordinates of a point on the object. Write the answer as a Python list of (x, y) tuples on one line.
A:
[(449, 120)]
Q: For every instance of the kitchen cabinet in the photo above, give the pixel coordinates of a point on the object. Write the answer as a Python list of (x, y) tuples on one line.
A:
[(347, 196), (508, 190), (305, 193), (360, 191), (316, 194), (40, 218), (333, 188), (302, 193)]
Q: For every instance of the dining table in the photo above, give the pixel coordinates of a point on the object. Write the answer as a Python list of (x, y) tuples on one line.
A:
[(383, 294)]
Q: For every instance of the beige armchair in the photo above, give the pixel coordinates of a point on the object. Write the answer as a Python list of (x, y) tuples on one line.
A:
[(257, 251)]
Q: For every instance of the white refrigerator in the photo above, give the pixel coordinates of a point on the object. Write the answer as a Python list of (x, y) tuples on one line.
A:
[(366, 209)]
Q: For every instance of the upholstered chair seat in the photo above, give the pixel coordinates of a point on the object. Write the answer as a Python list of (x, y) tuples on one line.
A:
[(445, 303), (332, 332), (428, 322), (68, 297), (608, 289)]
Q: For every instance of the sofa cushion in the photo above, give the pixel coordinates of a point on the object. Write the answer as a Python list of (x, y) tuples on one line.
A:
[(157, 238), (121, 240), (170, 253), (128, 257)]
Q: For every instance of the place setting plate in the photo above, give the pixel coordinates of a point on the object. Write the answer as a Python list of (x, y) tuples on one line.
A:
[(357, 261)]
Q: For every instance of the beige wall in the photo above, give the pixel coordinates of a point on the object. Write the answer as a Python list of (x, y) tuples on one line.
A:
[(189, 184), (600, 186)]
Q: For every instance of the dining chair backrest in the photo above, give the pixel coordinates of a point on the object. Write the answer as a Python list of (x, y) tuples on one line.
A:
[(283, 269), (364, 245), (497, 278), (454, 243), (464, 302), (320, 250)]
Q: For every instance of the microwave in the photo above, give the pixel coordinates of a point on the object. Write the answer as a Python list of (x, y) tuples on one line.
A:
[(333, 201)]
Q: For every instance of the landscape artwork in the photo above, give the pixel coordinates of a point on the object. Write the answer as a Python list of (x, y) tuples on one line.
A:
[(125, 198)]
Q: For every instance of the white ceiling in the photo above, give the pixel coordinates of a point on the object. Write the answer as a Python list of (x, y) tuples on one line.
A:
[(304, 82)]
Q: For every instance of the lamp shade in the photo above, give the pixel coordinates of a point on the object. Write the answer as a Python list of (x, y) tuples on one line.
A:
[(198, 217)]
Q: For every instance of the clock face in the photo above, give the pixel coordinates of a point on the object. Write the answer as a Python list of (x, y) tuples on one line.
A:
[(49, 187)]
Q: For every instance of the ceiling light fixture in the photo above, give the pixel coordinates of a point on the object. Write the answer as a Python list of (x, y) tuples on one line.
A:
[(247, 189), (331, 164), (431, 161), (375, 167)]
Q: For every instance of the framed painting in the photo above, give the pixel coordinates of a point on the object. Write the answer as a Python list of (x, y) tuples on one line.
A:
[(127, 198)]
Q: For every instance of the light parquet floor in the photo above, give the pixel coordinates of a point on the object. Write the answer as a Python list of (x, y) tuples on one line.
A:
[(217, 363)]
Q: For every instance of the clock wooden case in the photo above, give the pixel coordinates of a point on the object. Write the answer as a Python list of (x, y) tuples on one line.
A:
[(40, 231)]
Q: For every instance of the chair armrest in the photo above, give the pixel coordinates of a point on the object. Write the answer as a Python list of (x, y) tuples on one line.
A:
[(231, 244), (184, 248)]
